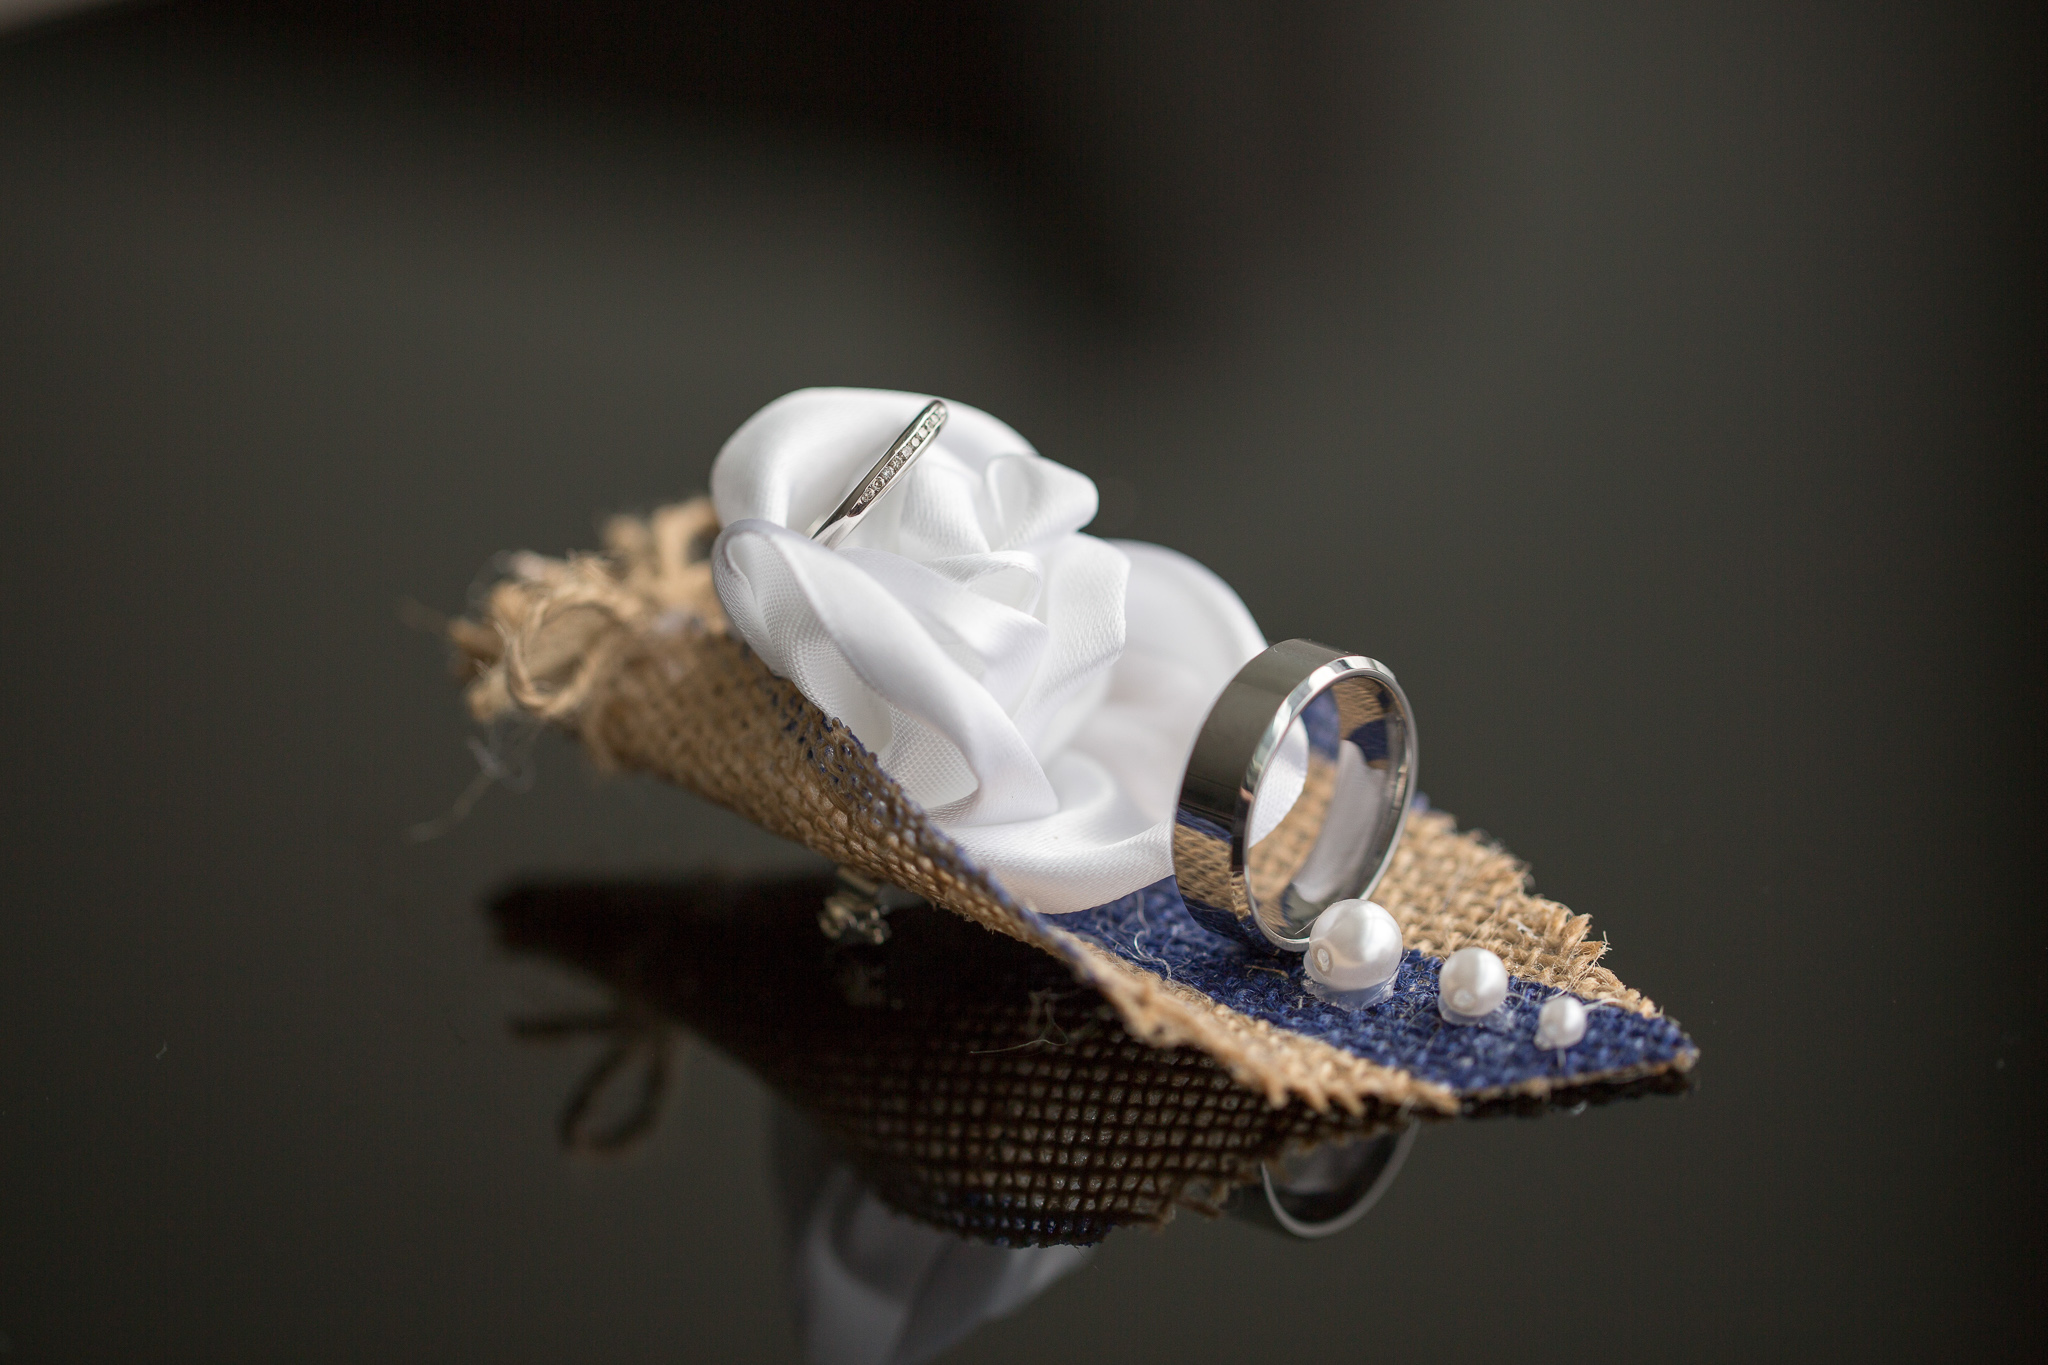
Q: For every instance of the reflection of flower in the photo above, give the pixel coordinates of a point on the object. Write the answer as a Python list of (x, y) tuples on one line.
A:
[(876, 1288), (1036, 689)]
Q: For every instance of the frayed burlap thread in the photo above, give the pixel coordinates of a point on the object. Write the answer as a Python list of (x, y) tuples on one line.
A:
[(630, 650)]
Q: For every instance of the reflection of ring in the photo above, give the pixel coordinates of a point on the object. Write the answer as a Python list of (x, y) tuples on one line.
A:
[(1295, 794), (888, 471), (1327, 1189)]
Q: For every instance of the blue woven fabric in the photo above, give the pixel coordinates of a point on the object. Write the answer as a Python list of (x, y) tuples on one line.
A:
[(1152, 929)]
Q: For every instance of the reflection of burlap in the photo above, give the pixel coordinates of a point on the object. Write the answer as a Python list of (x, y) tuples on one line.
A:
[(631, 651), (1273, 860), (1358, 704), (972, 1081)]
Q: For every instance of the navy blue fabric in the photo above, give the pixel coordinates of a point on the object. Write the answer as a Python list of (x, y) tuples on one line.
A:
[(1319, 719), (1371, 739), (1152, 929)]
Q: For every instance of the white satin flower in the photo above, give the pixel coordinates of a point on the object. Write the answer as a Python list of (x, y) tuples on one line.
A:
[(1035, 689)]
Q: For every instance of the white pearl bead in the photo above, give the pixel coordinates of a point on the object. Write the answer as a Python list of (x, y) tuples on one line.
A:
[(1354, 946), (1560, 1023), (1472, 985)]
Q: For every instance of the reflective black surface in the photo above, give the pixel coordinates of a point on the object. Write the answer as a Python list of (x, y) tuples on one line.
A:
[(1666, 386)]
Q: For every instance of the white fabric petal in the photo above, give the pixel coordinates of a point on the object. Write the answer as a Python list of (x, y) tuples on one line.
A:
[(1035, 689)]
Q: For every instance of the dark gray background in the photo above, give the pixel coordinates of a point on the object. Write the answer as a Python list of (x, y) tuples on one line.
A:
[(1658, 391)]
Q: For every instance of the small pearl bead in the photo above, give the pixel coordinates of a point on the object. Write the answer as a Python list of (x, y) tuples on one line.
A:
[(1560, 1023), (1354, 946), (1472, 985)]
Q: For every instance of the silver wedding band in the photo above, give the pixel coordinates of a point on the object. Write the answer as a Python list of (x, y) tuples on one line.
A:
[(1355, 754), (888, 471)]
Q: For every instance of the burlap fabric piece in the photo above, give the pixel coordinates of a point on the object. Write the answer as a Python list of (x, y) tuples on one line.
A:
[(630, 650)]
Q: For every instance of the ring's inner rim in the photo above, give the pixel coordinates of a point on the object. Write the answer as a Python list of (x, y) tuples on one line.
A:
[(1288, 876)]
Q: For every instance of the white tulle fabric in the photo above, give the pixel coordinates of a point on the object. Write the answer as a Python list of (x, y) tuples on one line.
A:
[(1035, 689)]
